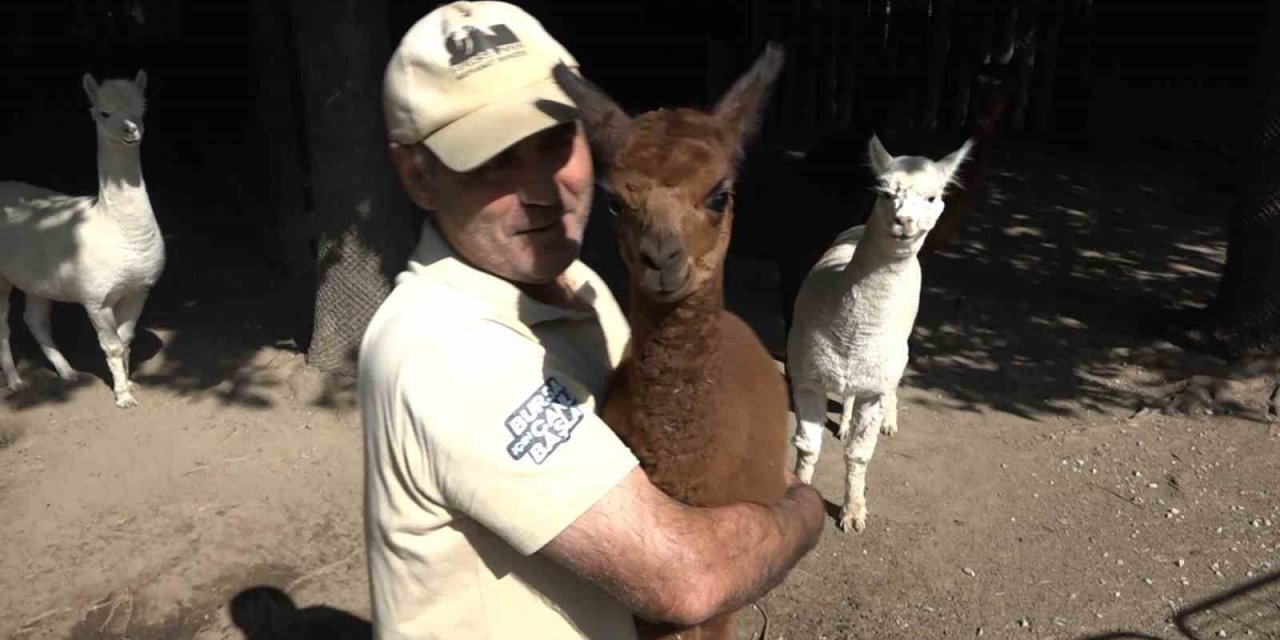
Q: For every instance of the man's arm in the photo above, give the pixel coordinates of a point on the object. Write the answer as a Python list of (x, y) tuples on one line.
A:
[(674, 563)]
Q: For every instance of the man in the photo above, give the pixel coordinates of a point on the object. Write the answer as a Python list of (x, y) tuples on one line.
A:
[(497, 504)]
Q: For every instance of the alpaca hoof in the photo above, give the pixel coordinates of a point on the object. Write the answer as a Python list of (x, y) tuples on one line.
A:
[(126, 400), (889, 429), (851, 520), (16, 385), (69, 375)]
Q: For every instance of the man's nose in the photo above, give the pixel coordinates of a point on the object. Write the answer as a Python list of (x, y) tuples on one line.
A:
[(537, 183)]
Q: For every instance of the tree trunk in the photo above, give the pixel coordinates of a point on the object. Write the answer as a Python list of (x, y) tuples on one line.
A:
[(362, 220), (940, 25), (1050, 19), (847, 67), (1245, 317), (278, 161)]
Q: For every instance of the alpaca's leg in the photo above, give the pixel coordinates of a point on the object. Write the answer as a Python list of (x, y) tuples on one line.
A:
[(889, 426), (811, 420), (127, 311), (12, 380), (846, 416), (858, 450), (37, 317), (104, 322)]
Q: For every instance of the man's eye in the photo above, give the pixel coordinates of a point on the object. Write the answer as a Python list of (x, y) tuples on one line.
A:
[(497, 163), (560, 139)]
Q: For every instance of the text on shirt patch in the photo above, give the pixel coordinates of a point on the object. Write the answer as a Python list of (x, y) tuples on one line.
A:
[(543, 422)]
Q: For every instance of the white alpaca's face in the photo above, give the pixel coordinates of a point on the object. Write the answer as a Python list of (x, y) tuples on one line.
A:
[(117, 107), (911, 190), (911, 202)]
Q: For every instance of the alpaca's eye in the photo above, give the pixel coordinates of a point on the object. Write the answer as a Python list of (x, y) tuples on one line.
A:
[(614, 204), (719, 201), (932, 198), (104, 114)]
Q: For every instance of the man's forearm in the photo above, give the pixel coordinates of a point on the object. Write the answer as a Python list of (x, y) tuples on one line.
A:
[(739, 552), (672, 562)]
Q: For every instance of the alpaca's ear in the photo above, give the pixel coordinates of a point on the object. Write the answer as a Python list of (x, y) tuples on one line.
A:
[(90, 87), (141, 80), (740, 109), (605, 122), (952, 162), (878, 157)]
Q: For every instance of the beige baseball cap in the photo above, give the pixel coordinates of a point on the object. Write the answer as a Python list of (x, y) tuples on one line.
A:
[(472, 78)]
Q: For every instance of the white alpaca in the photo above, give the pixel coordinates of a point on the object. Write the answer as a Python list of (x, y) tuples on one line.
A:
[(103, 252), (854, 314)]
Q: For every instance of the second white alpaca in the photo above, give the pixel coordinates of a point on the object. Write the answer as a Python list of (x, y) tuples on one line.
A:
[(103, 252), (854, 314)]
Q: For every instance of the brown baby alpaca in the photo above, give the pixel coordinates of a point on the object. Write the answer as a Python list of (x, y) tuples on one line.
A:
[(698, 398)]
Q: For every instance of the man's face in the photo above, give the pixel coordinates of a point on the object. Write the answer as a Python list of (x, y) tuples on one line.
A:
[(521, 215)]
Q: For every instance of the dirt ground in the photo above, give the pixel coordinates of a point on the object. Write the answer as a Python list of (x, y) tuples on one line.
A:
[(1028, 494)]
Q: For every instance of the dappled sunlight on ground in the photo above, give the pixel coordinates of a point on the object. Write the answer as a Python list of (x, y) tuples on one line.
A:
[(1070, 260)]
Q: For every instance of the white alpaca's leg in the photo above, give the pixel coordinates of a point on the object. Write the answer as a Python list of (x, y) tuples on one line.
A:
[(811, 420), (12, 380), (37, 318), (846, 416), (889, 426), (858, 450), (126, 312), (104, 322)]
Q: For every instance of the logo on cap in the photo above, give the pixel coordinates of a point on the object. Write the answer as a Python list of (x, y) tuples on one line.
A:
[(473, 48)]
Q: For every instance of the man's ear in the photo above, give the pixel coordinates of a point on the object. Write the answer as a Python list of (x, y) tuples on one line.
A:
[(414, 177)]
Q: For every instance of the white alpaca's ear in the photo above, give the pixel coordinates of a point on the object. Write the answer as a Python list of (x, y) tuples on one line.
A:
[(878, 157), (141, 80), (90, 87), (952, 162)]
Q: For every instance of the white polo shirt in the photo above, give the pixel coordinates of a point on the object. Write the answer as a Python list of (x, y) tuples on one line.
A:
[(481, 445)]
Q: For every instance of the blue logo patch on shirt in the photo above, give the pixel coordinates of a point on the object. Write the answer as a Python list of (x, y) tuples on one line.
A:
[(543, 422)]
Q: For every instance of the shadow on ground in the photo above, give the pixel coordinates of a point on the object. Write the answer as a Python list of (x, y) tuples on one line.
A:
[(267, 613), (1248, 610)]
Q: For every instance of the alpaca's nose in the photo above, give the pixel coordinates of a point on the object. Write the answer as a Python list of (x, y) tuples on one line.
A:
[(130, 127), (657, 253)]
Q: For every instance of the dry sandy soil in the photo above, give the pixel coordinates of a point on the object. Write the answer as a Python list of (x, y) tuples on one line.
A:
[(1027, 495)]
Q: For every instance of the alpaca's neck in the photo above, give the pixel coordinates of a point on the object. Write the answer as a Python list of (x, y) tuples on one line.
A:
[(121, 190), (120, 185), (675, 349), (688, 325), (880, 288)]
